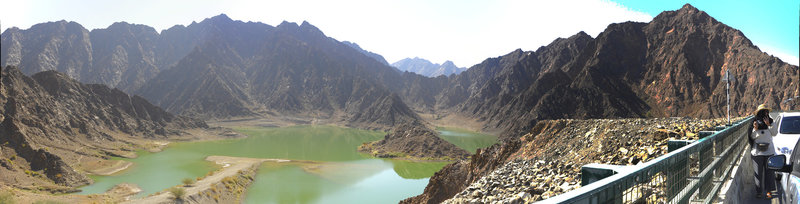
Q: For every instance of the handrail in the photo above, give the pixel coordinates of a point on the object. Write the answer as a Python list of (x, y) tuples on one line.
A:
[(670, 178)]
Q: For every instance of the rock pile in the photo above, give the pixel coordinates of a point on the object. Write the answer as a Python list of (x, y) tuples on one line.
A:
[(519, 181), (551, 156)]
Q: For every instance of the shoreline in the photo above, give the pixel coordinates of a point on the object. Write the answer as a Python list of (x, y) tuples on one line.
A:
[(123, 165), (231, 168), (106, 167)]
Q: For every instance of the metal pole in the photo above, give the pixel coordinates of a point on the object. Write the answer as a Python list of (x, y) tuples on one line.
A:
[(727, 93)]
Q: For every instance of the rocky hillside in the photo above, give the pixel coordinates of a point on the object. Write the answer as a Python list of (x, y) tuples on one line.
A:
[(426, 68), (414, 141), (546, 161), (671, 66), (120, 56), (372, 55), (52, 124)]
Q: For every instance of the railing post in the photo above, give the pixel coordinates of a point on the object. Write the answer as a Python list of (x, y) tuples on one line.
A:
[(677, 168), (595, 172)]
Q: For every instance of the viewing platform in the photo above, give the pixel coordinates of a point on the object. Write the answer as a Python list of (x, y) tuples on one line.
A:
[(713, 169)]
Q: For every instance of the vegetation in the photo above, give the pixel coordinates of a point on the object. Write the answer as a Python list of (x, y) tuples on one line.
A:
[(48, 202), (5, 197), (187, 182), (177, 192)]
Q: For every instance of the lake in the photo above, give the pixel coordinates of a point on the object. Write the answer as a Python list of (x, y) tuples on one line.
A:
[(466, 139), (340, 175)]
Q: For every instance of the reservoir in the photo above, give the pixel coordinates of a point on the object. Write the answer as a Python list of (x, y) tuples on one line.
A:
[(338, 174)]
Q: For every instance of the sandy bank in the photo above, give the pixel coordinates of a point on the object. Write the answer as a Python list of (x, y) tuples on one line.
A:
[(106, 167), (223, 186)]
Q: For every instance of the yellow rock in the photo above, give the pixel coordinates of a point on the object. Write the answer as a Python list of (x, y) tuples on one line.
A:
[(690, 134), (623, 150)]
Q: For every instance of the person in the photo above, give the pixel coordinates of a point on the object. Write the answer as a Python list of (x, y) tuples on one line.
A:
[(761, 149)]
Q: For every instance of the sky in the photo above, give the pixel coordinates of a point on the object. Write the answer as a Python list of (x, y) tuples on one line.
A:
[(463, 31)]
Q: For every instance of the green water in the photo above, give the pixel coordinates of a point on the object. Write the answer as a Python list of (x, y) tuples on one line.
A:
[(466, 139), (340, 173)]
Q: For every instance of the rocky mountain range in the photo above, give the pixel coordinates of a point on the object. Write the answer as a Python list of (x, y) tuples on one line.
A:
[(671, 66), (243, 69), (288, 70), (427, 68), (52, 124)]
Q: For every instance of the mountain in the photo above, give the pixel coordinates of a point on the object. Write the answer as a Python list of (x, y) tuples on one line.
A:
[(286, 71), (63, 46), (120, 56), (373, 55), (427, 68), (52, 124), (671, 66)]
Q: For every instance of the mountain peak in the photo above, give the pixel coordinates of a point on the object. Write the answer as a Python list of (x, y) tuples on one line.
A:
[(306, 24), (581, 34), (130, 26), (448, 63), (307, 27), (287, 24), (217, 20), (118, 24), (688, 8), (221, 17)]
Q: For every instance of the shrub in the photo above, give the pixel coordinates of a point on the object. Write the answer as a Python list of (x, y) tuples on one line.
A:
[(187, 182), (177, 192)]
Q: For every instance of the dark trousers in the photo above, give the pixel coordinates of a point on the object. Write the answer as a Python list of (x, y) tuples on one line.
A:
[(765, 178)]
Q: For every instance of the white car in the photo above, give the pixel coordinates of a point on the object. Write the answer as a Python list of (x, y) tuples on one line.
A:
[(787, 133)]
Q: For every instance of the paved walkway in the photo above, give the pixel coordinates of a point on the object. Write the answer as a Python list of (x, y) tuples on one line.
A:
[(749, 189), (741, 186)]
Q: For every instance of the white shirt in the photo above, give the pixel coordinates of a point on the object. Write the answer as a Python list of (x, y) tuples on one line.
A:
[(762, 136)]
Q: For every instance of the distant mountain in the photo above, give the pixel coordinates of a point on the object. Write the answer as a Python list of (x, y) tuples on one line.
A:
[(373, 55), (51, 123), (427, 68)]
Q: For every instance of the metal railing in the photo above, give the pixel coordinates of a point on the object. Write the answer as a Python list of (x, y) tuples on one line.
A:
[(693, 173)]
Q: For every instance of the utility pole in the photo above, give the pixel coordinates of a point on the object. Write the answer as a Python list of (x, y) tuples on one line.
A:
[(728, 78)]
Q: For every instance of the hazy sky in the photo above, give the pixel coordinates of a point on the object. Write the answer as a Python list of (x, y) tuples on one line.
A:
[(464, 31)]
